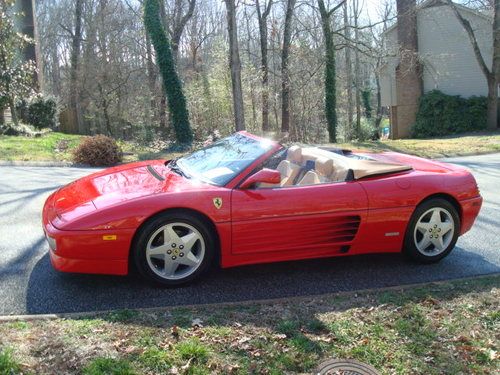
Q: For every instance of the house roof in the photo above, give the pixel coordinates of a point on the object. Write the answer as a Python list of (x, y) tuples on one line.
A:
[(432, 3)]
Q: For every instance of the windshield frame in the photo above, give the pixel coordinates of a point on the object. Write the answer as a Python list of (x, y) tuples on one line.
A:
[(274, 146)]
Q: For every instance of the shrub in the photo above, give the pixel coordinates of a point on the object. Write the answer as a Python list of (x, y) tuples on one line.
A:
[(367, 129), (39, 111), (440, 114), (98, 151)]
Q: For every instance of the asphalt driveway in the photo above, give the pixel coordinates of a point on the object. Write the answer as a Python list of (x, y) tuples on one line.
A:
[(28, 284)]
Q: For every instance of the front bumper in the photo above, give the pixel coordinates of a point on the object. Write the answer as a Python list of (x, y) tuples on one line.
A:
[(87, 251)]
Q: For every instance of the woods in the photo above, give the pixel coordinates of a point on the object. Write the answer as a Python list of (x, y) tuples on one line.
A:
[(180, 69), (253, 65)]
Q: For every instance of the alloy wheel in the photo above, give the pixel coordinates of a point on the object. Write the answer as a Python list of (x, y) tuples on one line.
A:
[(434, 231), (175, 250)]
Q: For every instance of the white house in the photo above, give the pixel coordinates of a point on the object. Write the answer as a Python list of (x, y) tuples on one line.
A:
[(446, 58)]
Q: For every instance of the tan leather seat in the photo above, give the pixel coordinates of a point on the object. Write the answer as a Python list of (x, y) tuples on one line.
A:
[(325, 169), (310, 178), (291, 166), (288, 168)]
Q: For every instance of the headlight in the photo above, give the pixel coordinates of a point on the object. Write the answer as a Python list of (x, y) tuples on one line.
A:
[(51, 241)]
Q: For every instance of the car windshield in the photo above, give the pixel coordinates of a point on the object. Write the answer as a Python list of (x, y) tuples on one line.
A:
[(220, 162)]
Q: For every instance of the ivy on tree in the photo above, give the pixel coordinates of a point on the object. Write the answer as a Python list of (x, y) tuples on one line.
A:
[(330, 70), (171, 81)]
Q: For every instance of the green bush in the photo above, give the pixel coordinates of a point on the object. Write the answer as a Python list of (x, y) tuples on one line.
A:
[(440, 114), (98, 151), (39, 111), (367, 129)]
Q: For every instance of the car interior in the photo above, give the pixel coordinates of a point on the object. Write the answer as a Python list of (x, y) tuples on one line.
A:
[(303, 166)]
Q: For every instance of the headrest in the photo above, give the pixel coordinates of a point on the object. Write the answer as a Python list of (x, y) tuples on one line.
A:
[(324, 166), (294, 154), (308, 154)]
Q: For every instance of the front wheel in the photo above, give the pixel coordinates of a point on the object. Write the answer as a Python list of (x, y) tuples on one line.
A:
[(174, 249), (432, 232)]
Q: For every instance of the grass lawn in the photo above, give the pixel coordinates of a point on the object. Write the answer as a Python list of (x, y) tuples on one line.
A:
[(447, 328), (49, 147), (57, 147), (467, 144)]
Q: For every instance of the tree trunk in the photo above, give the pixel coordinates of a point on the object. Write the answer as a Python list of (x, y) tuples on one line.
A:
[(285, 74), (56, 72), (348, 72), (496, 41), (179, 24), (28, 27), (262, 17), (162, 110), (235, 66), (378, 117), (492, 115), (151, 77), (494, 121), (75, 60), (330, 71), (171, 81), (357, 71), (13, 113)]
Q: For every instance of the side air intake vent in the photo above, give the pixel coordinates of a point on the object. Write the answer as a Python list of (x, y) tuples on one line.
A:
[(344, 228)]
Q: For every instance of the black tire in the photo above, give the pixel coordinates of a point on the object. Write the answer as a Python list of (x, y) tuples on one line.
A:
[(410, 247), (148, 230)]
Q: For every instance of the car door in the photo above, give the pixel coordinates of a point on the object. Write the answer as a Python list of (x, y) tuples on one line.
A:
[(298, 221)]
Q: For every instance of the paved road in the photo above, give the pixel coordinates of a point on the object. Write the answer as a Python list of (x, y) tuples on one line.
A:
[(28, 284)]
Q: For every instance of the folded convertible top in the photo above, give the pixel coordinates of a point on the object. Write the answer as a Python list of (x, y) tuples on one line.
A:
[(366, 168)]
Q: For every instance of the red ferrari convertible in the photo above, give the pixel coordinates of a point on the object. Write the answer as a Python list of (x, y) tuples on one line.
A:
[(245, 200)]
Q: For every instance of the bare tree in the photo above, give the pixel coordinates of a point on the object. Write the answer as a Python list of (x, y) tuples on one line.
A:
[(262, 18), (490, 74), (285, 74), (235, 65), (357, 66), (179, 22), (348, 71), (75, 60), (28, 26)]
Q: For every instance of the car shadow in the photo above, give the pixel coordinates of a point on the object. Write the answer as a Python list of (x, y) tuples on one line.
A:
[(49, 291)]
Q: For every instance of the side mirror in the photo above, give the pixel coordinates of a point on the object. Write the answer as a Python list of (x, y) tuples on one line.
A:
[(269, 176)]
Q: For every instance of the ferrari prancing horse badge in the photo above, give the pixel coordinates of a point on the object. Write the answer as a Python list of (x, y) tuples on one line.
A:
[(218, 202)]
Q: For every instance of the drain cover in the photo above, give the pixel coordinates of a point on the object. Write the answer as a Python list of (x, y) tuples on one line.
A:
[(345, 367)]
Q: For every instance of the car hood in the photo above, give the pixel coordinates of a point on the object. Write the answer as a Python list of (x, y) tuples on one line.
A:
[(113, 186)]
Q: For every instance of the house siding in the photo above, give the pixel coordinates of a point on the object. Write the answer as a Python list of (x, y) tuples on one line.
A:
[(448, 58), (388, 71)]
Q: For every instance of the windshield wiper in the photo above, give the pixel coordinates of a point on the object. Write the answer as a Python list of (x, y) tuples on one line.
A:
[(174, 167)]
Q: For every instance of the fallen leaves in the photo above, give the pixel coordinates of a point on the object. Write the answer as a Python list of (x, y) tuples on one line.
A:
[(175, 331), (464, 332)]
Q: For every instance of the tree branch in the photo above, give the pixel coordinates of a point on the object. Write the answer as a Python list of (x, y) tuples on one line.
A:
[(472, 37)]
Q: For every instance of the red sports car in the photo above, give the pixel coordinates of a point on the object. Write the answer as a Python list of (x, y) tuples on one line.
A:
[(245, 200)]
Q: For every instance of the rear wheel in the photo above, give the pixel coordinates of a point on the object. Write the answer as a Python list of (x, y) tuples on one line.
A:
[(433, 231), (174, 249)]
